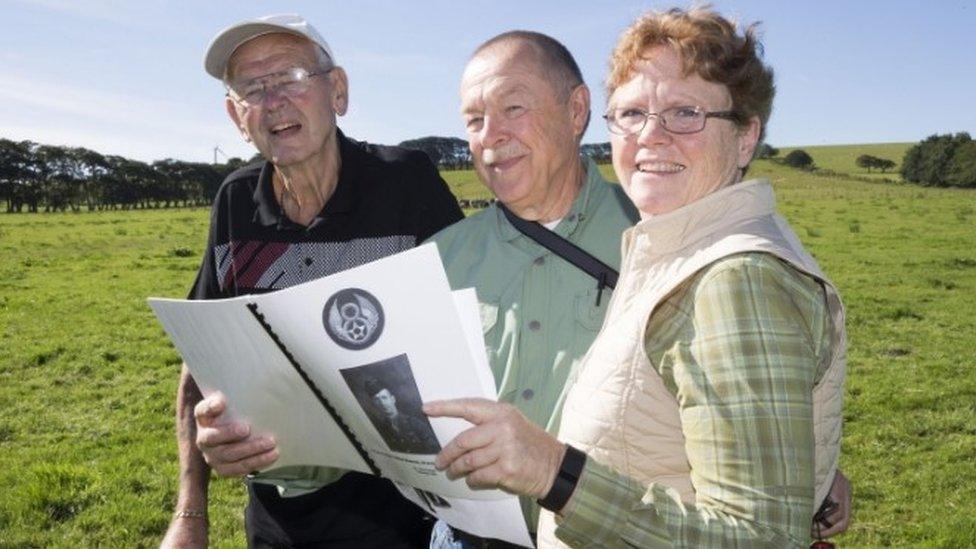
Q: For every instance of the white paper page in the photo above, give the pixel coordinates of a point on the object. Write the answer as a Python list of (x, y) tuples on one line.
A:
[(498, 519), (420, 354), (226, 349), (466, 303)]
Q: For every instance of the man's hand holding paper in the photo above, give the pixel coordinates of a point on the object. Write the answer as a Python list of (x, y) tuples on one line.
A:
[(228, 446)]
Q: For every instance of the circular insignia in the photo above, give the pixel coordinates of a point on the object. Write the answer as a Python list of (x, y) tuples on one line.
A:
[(353, 318)]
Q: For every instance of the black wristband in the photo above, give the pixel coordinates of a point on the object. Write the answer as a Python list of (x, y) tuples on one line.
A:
[(566, 479)]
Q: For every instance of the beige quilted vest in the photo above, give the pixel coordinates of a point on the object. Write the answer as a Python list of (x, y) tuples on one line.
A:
[(619, 411)]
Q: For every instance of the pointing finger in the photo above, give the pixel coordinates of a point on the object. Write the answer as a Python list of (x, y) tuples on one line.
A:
[(475, 410)]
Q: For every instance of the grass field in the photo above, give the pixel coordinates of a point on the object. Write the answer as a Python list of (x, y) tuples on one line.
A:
[(840, 158), (87, 376)]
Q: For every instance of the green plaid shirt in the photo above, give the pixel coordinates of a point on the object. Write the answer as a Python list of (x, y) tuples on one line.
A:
[(740, 345)]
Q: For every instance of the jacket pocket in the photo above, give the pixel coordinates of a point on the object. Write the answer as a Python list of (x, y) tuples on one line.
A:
[(588, 314)]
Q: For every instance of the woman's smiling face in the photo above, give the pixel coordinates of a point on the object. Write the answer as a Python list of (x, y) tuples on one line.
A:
[(662, 171)]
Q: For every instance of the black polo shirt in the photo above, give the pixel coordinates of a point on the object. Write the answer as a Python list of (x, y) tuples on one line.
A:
[(387, 200)]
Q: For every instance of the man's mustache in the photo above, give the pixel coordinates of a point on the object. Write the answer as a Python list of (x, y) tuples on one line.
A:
[(501, 154)]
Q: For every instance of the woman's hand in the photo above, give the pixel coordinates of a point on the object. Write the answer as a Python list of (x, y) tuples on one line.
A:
[(838, 520), (503, 450)]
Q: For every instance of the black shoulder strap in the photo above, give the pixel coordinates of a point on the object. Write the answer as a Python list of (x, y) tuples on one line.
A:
[(604, 274)]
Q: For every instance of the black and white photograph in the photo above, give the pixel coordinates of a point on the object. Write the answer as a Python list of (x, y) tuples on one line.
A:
[(388, 394)]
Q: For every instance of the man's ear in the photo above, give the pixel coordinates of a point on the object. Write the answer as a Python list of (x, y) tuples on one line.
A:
[(340, 90), (235, 116), (579, 108)]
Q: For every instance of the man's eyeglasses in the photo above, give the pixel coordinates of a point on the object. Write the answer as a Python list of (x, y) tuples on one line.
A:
[(679, 120), (289, 83)]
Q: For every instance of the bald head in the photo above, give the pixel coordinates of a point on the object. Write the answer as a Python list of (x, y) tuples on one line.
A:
[(552, 60), (524, 119)]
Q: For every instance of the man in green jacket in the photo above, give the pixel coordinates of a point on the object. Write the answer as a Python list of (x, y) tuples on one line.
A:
[(525, 109)]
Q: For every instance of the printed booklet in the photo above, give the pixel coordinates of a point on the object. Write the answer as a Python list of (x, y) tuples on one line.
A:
[(337, 370)]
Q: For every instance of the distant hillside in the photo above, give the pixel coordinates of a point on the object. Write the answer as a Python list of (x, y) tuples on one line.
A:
[(840, 158)]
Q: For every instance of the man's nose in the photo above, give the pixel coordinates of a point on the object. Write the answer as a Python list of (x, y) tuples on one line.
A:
[(494, 131), (272, 98)]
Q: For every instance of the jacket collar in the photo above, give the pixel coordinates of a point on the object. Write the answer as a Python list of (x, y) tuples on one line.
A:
[(593, 184), (725, 207)]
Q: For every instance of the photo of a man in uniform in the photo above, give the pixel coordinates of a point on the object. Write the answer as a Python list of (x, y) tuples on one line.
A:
[(388, 394), (401, 431)]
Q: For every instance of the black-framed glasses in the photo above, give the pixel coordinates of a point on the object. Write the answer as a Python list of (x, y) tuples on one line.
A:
[(287, 83), (679, 120)]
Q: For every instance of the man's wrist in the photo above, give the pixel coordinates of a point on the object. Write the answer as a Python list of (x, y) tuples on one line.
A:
[(567, 477), (191, 513), (192, 500)]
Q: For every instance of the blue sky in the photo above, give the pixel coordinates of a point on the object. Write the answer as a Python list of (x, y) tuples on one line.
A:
[(127, 78)]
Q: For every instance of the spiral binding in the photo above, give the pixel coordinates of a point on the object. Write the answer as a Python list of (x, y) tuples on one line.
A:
[(315, 390)]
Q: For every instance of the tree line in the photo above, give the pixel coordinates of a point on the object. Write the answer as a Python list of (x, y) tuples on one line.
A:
[(451, 153), (797, 158), (870, 162), (447, 153), (942, 161), (36, 177), (939, 160)]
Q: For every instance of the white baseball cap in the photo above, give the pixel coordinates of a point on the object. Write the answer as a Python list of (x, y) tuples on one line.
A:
[(231, 38)]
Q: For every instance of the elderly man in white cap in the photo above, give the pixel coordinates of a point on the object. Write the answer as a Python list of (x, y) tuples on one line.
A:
[(318, 204)]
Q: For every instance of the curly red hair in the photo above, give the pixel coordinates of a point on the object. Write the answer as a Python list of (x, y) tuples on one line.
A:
[(708, 45)]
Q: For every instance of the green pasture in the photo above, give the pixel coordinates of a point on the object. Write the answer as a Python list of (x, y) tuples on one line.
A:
[(840, 158), (465, 184), (87, 376)]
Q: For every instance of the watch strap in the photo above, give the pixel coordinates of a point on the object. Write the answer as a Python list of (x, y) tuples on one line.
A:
[(566, 480)]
